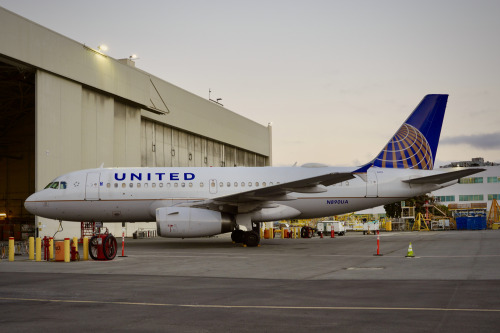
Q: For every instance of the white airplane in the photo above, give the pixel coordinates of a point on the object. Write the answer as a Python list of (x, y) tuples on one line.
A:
[(195, 202)]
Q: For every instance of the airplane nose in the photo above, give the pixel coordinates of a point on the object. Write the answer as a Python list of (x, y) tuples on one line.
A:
[(30, 204)]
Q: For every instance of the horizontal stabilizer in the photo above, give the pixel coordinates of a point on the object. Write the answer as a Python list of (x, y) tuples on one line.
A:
[(444, 177)]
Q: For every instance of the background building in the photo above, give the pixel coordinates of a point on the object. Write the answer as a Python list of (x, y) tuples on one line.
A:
[(481, 187), (65, 106)]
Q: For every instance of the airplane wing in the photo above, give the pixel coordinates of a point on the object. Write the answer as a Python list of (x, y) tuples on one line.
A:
[(444, 177), (260, 198)]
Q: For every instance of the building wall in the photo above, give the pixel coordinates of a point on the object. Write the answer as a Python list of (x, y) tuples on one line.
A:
[(37, 46), (483, 189)]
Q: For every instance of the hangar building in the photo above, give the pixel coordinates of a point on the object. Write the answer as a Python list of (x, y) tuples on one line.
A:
[(65, 106)]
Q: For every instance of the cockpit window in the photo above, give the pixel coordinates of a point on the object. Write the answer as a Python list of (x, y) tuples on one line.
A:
[(55, 185)]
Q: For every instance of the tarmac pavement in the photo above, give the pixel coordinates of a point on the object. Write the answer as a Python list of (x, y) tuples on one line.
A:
[(285, 285)]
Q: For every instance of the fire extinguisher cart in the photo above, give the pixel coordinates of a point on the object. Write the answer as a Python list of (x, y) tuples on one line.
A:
[(103, 247)]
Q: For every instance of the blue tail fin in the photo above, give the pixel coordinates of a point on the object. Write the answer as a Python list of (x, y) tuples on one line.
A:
[(415, 144)]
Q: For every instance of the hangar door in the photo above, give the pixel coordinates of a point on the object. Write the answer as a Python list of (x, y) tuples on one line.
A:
[(17, 148), (162, 145)]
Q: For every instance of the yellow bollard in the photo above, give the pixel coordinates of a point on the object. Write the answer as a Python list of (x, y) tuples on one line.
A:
[(11, 249), (51, 248), (32, 248), (282, 233), (38, 249), (85, 248), (75, 243), (66, 250), (271, 233)]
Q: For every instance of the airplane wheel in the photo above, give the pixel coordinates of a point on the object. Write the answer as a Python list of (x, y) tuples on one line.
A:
[(93, 248), (237, 236), (109, 247), (252, 239)]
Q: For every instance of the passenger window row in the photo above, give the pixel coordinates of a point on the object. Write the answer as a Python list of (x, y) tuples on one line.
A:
[(190, 184)]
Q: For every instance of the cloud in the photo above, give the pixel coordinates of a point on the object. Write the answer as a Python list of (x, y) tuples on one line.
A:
[(482, 141)]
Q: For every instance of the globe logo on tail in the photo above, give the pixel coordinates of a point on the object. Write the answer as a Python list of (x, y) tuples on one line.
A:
[(408, 149)]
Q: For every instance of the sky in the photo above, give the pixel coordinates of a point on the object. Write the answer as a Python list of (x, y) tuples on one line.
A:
[(335, 78)]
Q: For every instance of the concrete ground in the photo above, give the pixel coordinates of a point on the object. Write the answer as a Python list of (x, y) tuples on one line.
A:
[(285, 285)]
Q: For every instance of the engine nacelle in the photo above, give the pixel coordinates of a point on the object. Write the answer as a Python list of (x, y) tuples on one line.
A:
[(192, 222)]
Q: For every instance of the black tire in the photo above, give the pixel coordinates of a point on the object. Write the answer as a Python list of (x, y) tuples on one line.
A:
[(109, 247), (303, 232), (252, 239), (237, 236), (93, 247)]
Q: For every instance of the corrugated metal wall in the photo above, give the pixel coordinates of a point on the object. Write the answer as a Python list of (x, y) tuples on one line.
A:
[(164, 146)]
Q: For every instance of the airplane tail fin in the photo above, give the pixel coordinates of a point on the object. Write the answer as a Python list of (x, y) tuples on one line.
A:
[(415, 144)]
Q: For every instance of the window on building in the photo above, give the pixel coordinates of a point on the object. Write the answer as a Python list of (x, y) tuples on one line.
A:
[(471, 180), (493, 196), (445, 198), (493, 179), (471, 197)]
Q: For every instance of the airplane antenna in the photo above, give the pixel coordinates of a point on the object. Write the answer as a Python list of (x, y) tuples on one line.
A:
[(102, 165)]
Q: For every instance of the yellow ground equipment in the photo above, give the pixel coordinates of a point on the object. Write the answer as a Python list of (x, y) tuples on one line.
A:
[(421, 223), (494, 214)]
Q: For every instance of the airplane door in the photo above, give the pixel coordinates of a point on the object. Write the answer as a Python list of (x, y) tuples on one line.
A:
[(371, 183), (213, 186), (92, 186)]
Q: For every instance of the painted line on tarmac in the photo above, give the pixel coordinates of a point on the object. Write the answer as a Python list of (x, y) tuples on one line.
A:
[(263, 307)]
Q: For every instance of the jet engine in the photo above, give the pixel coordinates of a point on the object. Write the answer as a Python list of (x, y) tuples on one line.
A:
[(192, 222)]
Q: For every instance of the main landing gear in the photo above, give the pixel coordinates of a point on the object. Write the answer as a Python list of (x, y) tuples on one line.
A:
[(249, 238)]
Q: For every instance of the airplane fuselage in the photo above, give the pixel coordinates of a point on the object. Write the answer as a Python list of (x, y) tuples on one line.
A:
[(134, 194)]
